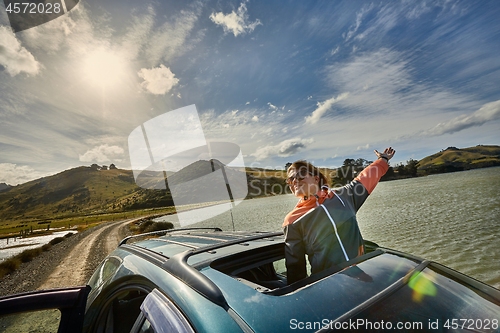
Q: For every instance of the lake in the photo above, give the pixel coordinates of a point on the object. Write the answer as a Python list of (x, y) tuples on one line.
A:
[(451, 218), (15, 245)]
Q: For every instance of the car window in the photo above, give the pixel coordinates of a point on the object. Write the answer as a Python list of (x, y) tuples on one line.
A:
[(280, 267), (146, 327), (163, 315), (119, 312), (104, 271)]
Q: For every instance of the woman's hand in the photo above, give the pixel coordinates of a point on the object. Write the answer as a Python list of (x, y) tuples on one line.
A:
[(386, 155)]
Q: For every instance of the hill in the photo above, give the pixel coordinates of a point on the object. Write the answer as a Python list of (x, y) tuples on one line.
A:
[(456, 159), (78, 191), (91, 190)]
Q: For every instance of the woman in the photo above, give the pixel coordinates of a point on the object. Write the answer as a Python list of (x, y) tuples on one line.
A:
[(323, 224)]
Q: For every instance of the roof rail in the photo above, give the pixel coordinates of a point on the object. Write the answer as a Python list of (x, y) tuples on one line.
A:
[(164, 232)]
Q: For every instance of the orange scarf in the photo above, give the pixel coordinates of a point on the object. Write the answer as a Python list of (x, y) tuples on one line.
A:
[(303, 206)]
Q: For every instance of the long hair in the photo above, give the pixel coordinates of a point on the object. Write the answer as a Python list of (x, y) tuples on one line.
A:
[(304, 165)]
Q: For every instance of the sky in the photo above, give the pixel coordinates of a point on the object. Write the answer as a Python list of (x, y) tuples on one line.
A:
[(284, 80)]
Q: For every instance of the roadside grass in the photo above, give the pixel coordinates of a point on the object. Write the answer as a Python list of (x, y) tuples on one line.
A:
[(148, 225), (15, 228), (10, 265), (82, 223)]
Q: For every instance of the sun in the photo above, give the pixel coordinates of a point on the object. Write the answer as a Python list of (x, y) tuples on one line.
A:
[(104, 68)]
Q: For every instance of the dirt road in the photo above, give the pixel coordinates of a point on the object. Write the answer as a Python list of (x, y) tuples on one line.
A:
[(79, 264), (69, 263)]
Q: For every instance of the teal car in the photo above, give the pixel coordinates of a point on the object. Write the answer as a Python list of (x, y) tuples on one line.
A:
[(207, 280)]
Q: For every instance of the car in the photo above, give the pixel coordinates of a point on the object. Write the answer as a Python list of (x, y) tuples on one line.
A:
[(208, 280)]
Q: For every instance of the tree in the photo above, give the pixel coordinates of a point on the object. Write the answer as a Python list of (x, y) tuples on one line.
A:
[(411, 167), (349, 162), (112, 167)]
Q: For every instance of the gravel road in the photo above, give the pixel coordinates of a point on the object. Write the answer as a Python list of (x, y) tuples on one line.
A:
[(69, 263)]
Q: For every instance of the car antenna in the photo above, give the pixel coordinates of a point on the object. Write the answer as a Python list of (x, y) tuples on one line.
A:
[(221, 166)]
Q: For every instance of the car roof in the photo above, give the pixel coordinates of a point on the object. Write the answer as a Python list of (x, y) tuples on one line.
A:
[(203, 244), (203, 258), (208, 260)]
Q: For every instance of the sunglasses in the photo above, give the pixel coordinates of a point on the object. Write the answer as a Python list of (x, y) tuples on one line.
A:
[(299, 176)]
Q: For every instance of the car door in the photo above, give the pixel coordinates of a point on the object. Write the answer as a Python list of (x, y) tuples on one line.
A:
[(57, 310)]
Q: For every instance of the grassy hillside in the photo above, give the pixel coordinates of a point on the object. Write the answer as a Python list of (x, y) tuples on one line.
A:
[(86, 191), (455, 159), (78, 191)]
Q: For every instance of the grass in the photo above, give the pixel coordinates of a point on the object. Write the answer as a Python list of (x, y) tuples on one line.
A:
[(148, 225), (13, 228), (478, 155)]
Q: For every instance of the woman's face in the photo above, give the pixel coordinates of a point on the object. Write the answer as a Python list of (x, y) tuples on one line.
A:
[(302, 183)]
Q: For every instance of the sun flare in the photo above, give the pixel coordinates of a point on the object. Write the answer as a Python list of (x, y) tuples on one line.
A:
[(103, 68)]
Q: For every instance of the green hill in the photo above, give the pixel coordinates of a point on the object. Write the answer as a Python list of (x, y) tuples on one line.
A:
[(455, 159), (78, 191), (86, 191)]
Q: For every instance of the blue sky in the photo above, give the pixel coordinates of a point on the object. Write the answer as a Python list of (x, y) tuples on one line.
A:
[(285, 80)]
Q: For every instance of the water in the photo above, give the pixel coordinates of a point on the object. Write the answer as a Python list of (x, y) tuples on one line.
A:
[(12, 248), (451, 218)]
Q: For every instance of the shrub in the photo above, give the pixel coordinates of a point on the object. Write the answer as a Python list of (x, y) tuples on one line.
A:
[(158, 226), (56, 240), (150, 226), (8, 266), (28, 255)]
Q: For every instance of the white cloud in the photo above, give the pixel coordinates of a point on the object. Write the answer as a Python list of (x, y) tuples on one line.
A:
[(273, 107), (359, 17), (488, 112), (14, 57), (255, 118), (286, 148), (334, 51), (103, 153), (171, 39), (363, 147), (52, 36), (14, 174), (236, 22), (323, 107), (159, 80), (382, 82)]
